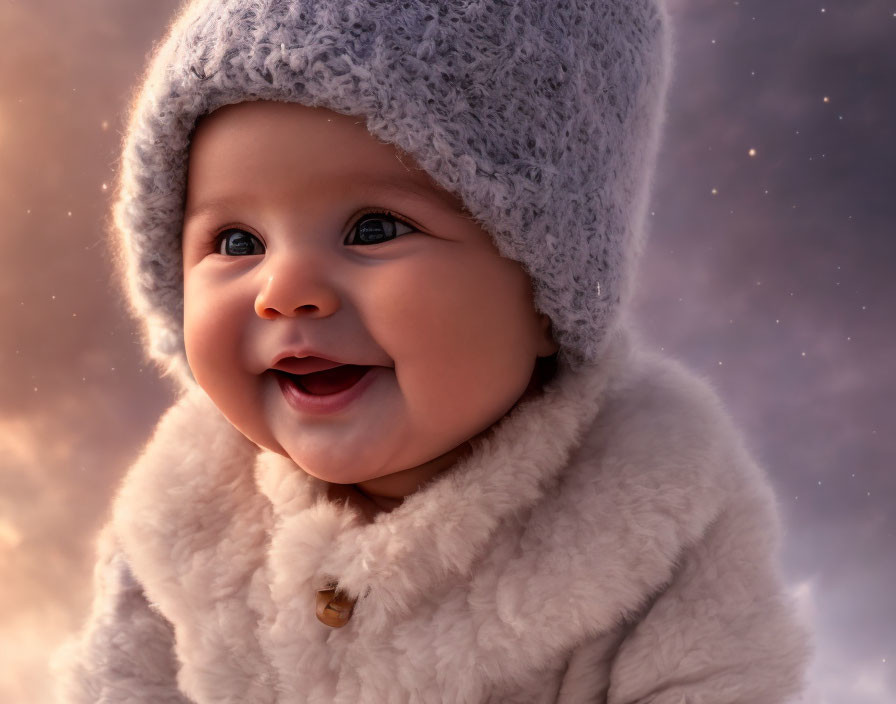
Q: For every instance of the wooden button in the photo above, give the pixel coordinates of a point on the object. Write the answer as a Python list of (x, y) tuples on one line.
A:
[(334, 608)]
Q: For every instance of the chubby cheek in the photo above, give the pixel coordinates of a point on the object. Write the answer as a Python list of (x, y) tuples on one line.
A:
[(201, 331), (462, 343), (199, 337), (212, 339)]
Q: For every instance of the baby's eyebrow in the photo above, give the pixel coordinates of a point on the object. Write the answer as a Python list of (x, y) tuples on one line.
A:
[(200, 209), (404, 187), (369, 188)]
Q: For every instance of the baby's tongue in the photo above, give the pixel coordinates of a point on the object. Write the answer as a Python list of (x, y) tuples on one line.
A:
[(331, 381)]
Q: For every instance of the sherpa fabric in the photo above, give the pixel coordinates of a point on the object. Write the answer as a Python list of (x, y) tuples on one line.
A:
[(610, 541), (544, 117)]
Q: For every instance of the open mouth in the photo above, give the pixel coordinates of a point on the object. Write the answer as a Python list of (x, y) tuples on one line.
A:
[(329, 381)]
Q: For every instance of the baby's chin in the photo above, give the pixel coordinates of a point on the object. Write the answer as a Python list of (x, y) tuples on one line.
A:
[(380, 481), (335, 475), (384, 481)]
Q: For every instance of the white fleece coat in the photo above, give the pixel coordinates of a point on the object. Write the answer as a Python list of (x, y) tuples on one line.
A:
[(610, 541)]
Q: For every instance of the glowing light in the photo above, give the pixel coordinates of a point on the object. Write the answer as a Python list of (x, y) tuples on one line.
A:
[(10, 538)]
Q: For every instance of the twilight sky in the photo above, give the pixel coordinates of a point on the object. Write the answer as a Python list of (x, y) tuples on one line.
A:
[(768, 272)]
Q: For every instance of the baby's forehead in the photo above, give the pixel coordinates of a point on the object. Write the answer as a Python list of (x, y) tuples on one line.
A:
[(307, 148)]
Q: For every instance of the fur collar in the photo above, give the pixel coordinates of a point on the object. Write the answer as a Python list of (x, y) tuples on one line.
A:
[(592, 488)]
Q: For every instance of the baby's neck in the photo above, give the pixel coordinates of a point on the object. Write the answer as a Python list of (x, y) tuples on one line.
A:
[(382, 503), (368, 506)]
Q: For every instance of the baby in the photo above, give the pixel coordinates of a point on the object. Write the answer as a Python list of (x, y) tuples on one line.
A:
[(420, 454)]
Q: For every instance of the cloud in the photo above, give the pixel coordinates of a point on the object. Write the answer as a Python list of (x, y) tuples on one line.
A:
[(839, 673), (35, 612)]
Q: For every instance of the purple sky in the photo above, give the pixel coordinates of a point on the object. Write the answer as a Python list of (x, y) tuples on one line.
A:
[(770, 275)]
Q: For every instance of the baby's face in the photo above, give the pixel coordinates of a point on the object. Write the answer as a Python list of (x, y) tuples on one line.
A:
[(287, 243)]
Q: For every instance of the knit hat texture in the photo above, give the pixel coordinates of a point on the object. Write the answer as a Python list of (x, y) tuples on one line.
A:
[(543, 116)]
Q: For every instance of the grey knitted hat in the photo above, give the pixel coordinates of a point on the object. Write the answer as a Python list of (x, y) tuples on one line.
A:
[(543, 116)]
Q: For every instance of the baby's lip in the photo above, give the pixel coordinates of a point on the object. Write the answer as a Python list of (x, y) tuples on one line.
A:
[(305, 365)]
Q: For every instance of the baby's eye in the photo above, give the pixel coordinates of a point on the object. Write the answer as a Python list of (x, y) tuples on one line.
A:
[(374, 228), (235, 243)]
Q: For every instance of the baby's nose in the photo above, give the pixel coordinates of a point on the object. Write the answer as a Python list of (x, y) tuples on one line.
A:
[(286, 290)]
